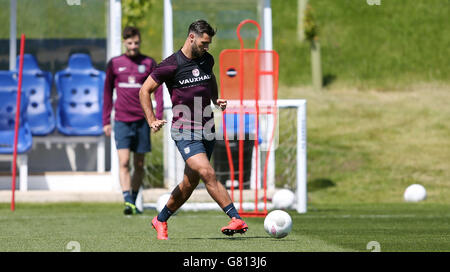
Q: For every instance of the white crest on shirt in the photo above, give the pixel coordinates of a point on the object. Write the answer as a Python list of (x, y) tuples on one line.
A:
[(141, 68), (196, 72)]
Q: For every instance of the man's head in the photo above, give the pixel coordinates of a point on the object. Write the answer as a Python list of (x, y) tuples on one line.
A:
[(199, 37), (131, 40)]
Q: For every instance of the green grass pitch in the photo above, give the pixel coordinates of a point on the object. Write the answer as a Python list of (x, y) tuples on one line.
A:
[(417, 227)]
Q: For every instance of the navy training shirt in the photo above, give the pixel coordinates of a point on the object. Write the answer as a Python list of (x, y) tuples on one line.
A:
[(190, 84)]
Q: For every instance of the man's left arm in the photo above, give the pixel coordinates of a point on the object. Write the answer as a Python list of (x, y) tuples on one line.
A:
[(214, 89), (159, 96), (222, 103)]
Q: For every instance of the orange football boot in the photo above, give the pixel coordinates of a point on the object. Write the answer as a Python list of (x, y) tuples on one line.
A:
[(235, 226), (161, 229)]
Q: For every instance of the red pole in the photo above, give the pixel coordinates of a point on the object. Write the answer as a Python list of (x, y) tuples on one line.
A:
[(16, 127)]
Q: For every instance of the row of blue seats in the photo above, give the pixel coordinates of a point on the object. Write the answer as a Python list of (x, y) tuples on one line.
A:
[(79, 108)]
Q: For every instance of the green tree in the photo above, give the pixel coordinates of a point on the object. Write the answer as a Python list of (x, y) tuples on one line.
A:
[(310, 26), (133, 11)]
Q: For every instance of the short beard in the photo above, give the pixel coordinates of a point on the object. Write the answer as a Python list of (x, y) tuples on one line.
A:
[(196, 53), (129, 53)]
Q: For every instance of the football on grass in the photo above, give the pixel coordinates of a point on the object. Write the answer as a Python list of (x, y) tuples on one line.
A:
[(278, 224), (283, 199), (415, 193)]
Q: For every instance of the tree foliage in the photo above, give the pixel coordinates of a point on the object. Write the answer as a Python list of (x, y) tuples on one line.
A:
[(133, 11), (310, 26)]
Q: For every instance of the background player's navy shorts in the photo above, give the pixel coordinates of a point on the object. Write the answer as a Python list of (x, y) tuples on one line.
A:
[(190, 143), (132, 135)]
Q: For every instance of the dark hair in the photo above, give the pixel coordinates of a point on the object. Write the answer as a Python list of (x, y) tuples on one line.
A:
[(130, 31), (201, 26)]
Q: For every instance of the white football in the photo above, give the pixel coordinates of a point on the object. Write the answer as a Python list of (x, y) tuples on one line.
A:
[(283, 199), (415, 193), (278, 224), (162, 201)]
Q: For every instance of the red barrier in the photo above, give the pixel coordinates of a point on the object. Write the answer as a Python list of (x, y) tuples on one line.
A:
[(16, 127), (249, 81)]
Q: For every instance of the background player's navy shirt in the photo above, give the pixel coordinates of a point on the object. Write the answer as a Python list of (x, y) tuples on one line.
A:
[(127, 75), (190, 84)]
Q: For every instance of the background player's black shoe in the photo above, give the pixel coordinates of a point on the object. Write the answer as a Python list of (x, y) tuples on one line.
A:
[(131, 209)]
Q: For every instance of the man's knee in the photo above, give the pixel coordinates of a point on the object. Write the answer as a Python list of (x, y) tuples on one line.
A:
[(139, 161), (191, 178), (124, 165), (207, 174), (139, 168)]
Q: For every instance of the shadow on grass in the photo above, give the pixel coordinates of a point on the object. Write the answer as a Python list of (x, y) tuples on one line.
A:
[(227, 238), (320, 184), (328, 79), (239, 238)]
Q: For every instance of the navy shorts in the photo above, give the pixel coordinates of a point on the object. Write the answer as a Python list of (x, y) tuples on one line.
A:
[(190, 143), (132, 135)]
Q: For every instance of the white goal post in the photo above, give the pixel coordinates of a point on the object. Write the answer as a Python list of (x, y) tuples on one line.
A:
[(301, 159)]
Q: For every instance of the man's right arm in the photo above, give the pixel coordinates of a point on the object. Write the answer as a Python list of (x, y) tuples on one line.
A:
[(108, 99), (149, 86)]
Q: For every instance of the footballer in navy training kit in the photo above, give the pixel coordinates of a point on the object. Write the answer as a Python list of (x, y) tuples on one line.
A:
[(126, 73), (189, 77)]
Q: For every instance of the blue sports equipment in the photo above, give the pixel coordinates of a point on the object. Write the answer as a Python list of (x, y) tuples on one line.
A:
[(80, 90), (37, 84), (8, 103)]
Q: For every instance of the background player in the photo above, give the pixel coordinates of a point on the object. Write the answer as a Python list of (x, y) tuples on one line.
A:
[(192, 86), (126, 73)]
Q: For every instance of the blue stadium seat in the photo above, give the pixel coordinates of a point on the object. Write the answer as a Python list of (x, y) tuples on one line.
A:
[(8, 81), (232, 124), (37, 84), (80, 90), (8, 103)]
